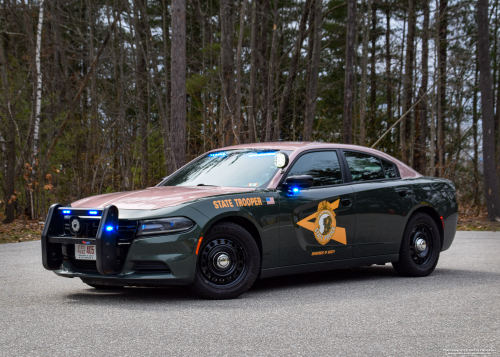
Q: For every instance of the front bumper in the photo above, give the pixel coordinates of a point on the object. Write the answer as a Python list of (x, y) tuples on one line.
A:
[(178, 252), (175, 252)]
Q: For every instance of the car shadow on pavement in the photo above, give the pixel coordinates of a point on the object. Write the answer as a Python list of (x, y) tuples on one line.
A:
[(133, 294), (440, 279), (181, 293), (386, 273), (326, 277)]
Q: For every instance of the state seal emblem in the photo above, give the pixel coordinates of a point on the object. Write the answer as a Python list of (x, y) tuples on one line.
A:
[(324, 225)]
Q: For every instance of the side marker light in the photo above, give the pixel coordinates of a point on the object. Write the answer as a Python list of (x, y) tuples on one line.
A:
[(198, 247)]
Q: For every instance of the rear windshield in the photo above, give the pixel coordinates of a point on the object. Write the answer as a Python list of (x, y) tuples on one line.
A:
[(231, 168)]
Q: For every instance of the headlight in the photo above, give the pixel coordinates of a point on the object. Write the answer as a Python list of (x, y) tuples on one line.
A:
[(164, 225)]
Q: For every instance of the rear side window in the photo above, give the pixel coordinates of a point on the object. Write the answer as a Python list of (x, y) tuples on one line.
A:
[(363, 167), (323, 166), (389, 169)]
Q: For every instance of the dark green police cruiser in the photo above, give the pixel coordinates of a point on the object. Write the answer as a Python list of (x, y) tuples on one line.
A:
[(251, 211)]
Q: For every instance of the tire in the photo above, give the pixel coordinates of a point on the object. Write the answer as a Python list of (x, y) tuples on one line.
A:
[(228, 263), (420, 248)]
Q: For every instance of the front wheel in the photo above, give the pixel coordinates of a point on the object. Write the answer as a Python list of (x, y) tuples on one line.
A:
[(420, 248), (228, 262)]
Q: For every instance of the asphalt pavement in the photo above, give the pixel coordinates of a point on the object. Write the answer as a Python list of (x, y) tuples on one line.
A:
[(368, 311)]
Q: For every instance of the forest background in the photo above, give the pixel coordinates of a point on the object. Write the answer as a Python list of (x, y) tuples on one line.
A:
[(99, 96)]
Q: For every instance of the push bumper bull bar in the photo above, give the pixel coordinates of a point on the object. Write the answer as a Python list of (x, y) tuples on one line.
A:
[(53, 237)]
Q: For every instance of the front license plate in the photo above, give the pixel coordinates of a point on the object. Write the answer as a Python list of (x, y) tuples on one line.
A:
[(85, 252)]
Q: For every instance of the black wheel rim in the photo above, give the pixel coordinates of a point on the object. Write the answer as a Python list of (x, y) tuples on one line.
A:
[(421, 244), (222, 262)]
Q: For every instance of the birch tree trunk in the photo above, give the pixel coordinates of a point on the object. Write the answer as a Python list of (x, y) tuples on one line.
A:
[(432, 141), (420, 145), (486, 85), (239, 69), (38, 107), (476, 201)]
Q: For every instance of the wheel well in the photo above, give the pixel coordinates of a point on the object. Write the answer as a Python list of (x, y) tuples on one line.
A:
[(246, 224), (435, 216)]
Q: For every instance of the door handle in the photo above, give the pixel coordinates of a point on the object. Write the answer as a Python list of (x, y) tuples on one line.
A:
[(346, 202), (403, 193)]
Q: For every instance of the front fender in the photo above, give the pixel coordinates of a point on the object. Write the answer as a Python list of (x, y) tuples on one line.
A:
[(262, 213)]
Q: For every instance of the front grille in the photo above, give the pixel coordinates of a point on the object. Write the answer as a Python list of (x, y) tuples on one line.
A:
[(151, 267), (90, 266), (126, 229), (84, 265)]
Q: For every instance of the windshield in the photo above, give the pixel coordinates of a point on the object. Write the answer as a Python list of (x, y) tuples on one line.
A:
[(231, 168)]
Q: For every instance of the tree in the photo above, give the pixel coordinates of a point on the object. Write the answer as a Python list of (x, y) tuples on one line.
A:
[(419, 161), (252, 110), (227, 64), (388, 77), (364, 71), (239, 69), (349, 72), (486, 85), (294, 62), (314, 69), (442, 79), (178, 79), (408, 80)]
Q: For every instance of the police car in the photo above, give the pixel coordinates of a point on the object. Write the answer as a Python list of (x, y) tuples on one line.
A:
[(240, 213)]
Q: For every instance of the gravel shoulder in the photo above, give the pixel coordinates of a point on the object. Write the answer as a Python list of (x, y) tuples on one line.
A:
[(368, 311)]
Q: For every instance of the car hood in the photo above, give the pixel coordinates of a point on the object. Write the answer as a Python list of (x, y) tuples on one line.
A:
[(155, 197)]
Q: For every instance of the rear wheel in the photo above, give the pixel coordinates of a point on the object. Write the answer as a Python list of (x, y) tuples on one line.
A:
[(420, 248), (228, 262)]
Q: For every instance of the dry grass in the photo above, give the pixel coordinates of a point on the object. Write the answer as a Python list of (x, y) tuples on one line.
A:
[(476, 223), (20, 231)]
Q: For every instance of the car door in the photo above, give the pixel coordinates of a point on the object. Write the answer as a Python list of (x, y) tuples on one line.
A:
[(383, 201), (317, 224)]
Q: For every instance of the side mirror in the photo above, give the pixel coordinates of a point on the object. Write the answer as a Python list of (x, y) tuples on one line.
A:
[(296, 183)]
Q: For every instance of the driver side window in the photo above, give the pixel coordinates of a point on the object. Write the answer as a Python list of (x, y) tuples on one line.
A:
[(323, 166)]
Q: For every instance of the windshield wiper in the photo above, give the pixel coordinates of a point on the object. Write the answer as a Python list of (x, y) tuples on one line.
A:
[(202, 184)]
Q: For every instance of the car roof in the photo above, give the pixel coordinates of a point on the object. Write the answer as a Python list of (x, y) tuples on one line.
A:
[(298, 147)]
